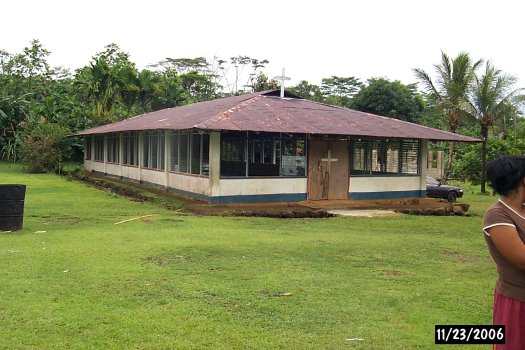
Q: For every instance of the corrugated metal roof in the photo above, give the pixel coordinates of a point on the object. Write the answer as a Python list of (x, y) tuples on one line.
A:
[(265, 112)]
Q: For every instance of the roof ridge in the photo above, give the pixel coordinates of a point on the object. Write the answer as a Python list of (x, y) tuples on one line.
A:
[(225, 114)]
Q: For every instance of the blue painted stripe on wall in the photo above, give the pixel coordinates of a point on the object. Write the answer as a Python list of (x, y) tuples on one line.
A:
[(387, 195), (189, 194)]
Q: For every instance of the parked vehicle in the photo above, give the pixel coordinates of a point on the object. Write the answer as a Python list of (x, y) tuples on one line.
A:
[(436, 189)]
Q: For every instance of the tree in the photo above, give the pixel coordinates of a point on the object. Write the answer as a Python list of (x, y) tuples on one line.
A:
[(469, 168), (308, 91), (101, 86), (454, 77), (339, 90), (128, 81), (491, 98), (27, 84), (167, 91), (239, 63), (194, 75), (263, 83), (389, 98), (110, 78)]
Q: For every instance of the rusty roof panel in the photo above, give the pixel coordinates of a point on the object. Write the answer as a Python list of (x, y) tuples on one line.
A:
[(266, 113)]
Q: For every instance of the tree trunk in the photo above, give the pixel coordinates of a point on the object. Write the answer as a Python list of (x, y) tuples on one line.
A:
[(453, 126), (484, 135), (449, 162)]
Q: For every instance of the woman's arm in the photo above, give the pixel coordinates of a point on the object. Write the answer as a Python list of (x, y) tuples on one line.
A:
[(509, 244)]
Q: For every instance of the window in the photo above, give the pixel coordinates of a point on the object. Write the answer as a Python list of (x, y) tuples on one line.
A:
[(113, 143), (263, 154), (99, 148), (205, 154), (233, 154), (87, 147), (361, 158), (294, 158), (184, 149), (186, 159), (195, 154), (410, 157), (154, 149), (384, 157), (174, 151), (131, 148)]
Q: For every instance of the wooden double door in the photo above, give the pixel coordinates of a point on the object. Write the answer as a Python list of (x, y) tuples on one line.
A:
[(328, 169)]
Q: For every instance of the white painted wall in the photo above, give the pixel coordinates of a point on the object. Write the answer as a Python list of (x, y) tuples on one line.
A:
[(130, 172), (239, 187), (88, 164), (215, 163), (195, 184), (95, 166), (385, 183), (113, 169), (153, 176)]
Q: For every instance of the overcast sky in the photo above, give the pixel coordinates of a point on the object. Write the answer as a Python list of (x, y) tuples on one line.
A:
[(311, 39)]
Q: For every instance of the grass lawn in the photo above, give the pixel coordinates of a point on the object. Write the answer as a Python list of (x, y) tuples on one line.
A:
[(175, 281)]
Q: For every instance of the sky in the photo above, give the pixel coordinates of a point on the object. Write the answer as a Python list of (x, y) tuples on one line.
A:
[(311, 39)]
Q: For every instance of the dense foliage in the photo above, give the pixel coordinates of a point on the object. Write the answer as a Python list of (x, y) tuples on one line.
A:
[(42, 106), (391, 99)]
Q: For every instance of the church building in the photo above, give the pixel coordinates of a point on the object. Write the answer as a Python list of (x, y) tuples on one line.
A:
[(262, 147)]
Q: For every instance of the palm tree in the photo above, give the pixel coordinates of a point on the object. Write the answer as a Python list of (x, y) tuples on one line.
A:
[(491, 98), (148, 82), (102, 86), (454, 77)]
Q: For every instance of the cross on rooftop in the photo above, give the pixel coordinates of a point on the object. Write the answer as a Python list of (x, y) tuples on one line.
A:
[(282, 78)]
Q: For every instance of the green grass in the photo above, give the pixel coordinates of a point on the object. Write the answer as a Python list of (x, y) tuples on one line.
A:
[(175, 281)]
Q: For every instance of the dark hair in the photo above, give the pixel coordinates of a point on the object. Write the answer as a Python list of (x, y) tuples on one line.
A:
[(504, 174)]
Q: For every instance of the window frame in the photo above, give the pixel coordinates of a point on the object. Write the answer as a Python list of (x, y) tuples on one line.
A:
[(153, 140), (128, 152), (368, 156), (184, 161), (276, 144), (88, 141), (99, 148)]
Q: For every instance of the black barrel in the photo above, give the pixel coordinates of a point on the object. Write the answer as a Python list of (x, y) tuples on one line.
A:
[(12, 207)]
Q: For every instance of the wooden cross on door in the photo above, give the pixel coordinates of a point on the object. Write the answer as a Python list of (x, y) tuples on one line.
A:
[(329, 160)]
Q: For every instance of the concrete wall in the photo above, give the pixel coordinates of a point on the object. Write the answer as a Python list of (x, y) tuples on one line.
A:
[(91, 165), (251, 190), (130, 172), (156, 177), (437, 171), (384, 183), (385, 187), (188, 183), (215, 163), (254, 186)]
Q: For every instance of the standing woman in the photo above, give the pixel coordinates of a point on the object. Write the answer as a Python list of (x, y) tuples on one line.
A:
[(504, 227)]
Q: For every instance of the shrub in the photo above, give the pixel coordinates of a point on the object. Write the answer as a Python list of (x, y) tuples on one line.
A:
[(44, 147)]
